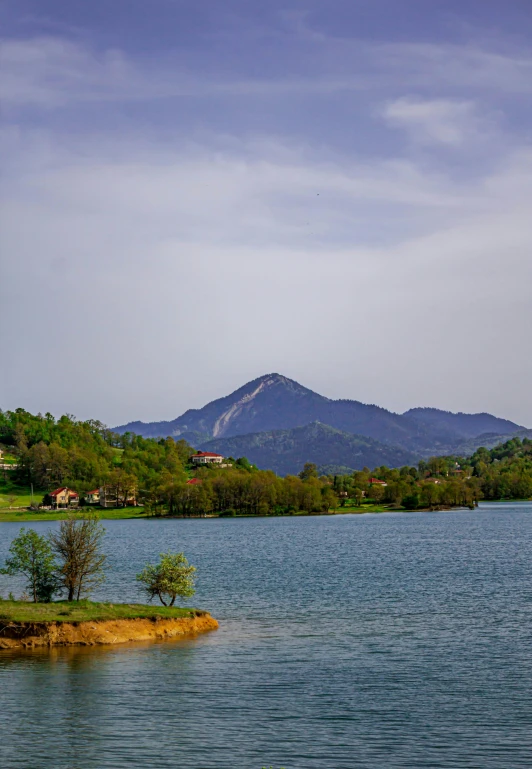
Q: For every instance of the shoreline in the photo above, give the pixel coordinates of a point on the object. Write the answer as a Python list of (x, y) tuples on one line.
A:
[(31, 635), (18, 516)]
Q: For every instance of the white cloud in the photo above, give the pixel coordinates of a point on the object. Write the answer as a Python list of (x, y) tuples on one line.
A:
[(52, 72), (228, 256), (166, 262), (440, 121)]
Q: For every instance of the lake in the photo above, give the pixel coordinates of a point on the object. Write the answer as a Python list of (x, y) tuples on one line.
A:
[(392, 640)]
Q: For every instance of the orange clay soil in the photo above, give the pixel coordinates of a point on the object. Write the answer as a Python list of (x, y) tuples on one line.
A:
[(32, 634)]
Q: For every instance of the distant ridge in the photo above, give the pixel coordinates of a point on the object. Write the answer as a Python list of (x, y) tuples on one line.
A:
[(274, 402), (286, 451)]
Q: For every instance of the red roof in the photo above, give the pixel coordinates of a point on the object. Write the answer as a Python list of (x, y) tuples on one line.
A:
[(194, 481), (94, 491), (60, 491), (206, 454), (376, 480)]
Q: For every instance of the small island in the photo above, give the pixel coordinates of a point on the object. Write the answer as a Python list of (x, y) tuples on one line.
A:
[(71, 561), (67, 623)]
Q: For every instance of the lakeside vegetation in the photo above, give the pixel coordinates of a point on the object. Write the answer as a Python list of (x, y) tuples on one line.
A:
[(86, 611), (157, 472), (70, 561)]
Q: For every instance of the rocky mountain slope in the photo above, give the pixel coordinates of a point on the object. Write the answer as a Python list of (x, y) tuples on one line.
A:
[(274, 402)]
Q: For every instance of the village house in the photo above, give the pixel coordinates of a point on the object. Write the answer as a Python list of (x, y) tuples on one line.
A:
[(206, 458), (109, 498), (377, 482), (92, 497), (193, 482), (64, 497)]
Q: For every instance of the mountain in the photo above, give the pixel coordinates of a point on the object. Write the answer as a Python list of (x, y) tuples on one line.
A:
[(465, 425), (274, 402), (334, 451)]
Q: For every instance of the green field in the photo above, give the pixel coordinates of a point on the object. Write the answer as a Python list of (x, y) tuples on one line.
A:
[(13, 496), (27, 516), (86, 611), (14, 501)]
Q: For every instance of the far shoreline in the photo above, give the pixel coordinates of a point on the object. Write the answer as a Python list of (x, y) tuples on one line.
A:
[(26, 516)]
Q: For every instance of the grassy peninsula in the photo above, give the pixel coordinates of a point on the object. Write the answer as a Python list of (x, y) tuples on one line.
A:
[(88, 611), (83, 623)]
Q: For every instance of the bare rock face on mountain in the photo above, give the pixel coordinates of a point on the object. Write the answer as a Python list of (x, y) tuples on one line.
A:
[(274, 402)]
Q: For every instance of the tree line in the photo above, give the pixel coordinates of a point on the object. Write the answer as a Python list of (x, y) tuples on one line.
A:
[(86, 454)]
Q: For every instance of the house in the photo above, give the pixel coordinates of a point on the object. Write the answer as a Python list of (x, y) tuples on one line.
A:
[(64, 497), (206, 458), (377, 482), (193, 482), (93, 497), (436, 481), (109, 498), (1, 454)]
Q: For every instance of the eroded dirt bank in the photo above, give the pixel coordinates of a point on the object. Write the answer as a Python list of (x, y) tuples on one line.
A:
[(33, 634)]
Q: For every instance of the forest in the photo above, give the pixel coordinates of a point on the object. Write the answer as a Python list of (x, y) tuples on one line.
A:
[(157, 472)]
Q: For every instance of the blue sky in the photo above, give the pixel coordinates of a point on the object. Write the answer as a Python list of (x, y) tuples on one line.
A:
[(197, 193)]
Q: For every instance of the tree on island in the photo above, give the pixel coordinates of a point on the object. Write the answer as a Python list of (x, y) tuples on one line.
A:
[(78, 545), (32, 556), (170, 578)]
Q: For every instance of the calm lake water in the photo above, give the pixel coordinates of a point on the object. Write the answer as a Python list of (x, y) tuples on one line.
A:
[(345, 641)]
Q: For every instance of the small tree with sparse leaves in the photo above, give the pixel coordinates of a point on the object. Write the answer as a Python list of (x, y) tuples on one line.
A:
[(170, 578), (81, 561)]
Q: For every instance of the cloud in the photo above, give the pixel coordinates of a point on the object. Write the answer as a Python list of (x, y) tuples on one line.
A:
[(228, 264), (439, 121), (51, 72), (227, 253)]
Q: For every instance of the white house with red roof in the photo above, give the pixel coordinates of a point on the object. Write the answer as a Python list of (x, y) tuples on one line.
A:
[(206, 458), (377, 482), (64, 497)]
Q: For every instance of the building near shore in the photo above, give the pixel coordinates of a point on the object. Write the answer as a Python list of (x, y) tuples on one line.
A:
[(93, 497), (64, 497)]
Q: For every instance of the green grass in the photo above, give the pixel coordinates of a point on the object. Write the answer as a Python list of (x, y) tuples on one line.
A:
[(368, 508), (108, 514), (86, 611), (21, 495)]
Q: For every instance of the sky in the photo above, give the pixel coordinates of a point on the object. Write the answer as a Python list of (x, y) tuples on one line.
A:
[(195, 193)]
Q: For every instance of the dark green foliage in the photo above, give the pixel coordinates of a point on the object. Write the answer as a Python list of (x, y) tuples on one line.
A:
[(85, 455), (286, 451)]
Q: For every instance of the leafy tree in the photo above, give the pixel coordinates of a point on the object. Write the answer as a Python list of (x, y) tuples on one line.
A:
[(310, 470), (170, 578), (32, 556), (81, 561)]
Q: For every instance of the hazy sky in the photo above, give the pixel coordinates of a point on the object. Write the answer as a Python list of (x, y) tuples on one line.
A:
[(197, 192)]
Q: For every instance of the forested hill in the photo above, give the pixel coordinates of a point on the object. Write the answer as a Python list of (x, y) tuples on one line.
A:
[(86, 455), (274, 402), (286, 451), (466, 425)]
